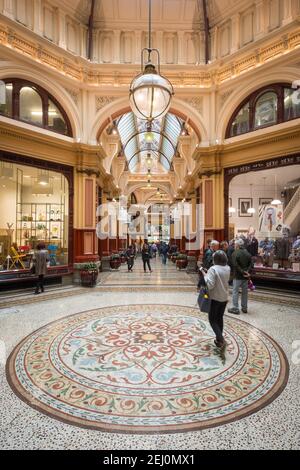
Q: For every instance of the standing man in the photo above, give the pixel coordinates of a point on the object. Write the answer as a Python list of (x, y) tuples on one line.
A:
[(241, 263), (208, 254)]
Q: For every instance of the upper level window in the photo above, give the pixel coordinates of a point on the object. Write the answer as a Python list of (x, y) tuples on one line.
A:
[(6, 104), (265, 107), (240, 125), (266, 110), (31, 107), (291, 103), (26, 101)]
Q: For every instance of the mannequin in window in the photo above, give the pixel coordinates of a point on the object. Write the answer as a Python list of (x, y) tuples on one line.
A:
[(267, 247), (270, 218)]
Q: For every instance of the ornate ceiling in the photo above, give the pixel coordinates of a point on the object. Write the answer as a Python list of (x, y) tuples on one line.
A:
[(171, 13)]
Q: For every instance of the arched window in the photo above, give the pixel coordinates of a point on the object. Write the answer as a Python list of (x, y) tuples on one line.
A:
[(28, 102), (266, 110), (31, 106), (265, 107)]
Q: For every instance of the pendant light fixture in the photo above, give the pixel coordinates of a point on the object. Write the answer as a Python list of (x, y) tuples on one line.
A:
[(149, 135), (275, 201), (251, 210), (150, 93)]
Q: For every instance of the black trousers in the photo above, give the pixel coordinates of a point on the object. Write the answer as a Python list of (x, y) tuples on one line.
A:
[(146, 261), (215, 317), (130, 262), (40, 283)]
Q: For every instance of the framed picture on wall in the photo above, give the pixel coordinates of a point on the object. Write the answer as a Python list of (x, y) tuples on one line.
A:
[(244, 205), (263, 201)]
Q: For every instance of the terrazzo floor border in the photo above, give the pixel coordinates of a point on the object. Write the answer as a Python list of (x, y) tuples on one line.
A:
[(60, 416)]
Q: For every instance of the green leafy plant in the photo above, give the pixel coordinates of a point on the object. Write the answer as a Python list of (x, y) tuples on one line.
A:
[(89, 267), (115, 256)]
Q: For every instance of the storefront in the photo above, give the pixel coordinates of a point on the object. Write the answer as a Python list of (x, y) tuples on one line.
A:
[(36, 206), (262, 204)]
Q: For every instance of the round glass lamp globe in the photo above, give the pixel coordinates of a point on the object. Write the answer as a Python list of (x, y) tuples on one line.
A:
[(150, 95)]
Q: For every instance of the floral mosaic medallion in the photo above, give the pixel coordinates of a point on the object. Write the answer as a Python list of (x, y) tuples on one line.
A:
[(146, 368)]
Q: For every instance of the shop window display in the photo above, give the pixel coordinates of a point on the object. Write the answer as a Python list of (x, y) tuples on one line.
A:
[(273, 234), (33, 209)]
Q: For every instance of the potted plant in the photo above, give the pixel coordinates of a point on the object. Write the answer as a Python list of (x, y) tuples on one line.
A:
[(115, 261), (89, 274), (181, 261)]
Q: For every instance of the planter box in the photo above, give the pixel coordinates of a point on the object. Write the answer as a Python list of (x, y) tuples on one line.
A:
[(115, 263), (89, 278), (181, 263)]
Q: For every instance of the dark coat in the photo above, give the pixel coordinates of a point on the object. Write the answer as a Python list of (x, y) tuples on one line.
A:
[(145, 252), (208, 258), (40, 259), (241, 262)]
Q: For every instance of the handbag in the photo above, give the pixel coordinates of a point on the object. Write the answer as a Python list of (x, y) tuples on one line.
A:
[(32, 269), (204, 301)]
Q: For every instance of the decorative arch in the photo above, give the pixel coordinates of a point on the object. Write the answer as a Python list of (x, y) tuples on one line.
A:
[(243, 91), (164, 187), (52, 87), (121, 106)]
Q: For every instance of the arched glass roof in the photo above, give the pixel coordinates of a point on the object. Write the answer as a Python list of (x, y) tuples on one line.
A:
[(165, 134)]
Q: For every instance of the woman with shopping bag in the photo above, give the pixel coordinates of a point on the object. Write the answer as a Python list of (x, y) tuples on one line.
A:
[(213, 296)]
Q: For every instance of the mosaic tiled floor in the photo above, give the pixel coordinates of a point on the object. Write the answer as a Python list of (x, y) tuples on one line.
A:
[(146, 369)]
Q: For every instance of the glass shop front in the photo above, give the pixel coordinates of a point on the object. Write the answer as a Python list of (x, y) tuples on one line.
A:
[(264, 209), (34, 209)]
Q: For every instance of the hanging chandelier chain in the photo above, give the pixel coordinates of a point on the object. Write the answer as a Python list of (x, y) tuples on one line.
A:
[(149, 38)]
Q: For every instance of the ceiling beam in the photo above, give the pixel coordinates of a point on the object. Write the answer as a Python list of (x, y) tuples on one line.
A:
[(90, 30), (206, 30)]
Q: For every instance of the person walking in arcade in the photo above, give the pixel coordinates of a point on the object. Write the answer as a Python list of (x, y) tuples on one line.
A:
[(146, 256)]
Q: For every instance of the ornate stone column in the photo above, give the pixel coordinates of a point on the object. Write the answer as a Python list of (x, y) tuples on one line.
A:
[(117, 46), (235, 33), (287, 12), (181, 49), (61, 29), (259, 21), (38, 17), (85, 239), (8, 8)]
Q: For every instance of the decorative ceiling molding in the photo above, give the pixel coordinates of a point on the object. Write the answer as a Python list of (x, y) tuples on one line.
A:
[(88, 171), (82, 71), (102, 101), (224, 96), (74, 95), (196, 102)]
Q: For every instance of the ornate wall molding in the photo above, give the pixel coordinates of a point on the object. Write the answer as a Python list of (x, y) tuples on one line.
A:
[(79, 69), (88, 171), (74, 95), (196, 102), (224, 96), (102, 101)]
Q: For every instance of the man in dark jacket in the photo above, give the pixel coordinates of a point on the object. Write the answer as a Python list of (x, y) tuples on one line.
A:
[(241, 263), (208, 254)]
